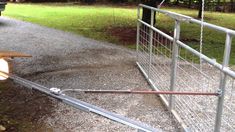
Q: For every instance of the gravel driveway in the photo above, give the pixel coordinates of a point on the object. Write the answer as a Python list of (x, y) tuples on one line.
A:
[(65, 60)]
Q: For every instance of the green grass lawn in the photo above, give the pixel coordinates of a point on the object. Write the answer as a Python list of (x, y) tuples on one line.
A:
[(90, 21), (93, 22)]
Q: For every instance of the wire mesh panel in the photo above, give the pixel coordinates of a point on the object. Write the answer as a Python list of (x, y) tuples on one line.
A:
[(143, 55), (157, 63), (171, 65), (161, 62), (228, 118), (197, 112)]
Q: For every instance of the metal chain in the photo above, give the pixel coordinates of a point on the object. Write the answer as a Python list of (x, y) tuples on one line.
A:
[(201, 34), (159, 6)]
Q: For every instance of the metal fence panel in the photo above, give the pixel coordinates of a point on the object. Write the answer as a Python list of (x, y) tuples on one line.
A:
[(171, 65)]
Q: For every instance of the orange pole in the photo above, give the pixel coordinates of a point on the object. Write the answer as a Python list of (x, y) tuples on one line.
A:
[(148, 92)]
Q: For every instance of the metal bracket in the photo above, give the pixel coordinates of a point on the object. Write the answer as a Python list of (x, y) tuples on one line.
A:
[(220, 92), (55, 91)]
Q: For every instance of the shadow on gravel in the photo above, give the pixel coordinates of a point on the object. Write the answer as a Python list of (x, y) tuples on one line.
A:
[(4, 24), (20, 109)]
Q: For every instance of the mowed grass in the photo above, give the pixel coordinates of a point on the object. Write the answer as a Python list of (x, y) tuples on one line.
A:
[(89, 21), (93, 22)]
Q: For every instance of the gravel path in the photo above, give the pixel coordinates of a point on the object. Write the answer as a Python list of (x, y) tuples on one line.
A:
[(65, 60)]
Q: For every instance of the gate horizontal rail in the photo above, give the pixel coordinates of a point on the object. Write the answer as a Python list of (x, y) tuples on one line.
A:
[(184, 18), (227, 70)]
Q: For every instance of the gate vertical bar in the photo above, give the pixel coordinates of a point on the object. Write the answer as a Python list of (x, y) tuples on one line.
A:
[(174, 61), (138, 33), (222, 86), (151, 43)]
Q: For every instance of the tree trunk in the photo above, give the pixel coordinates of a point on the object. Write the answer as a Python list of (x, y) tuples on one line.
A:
[(232, 6), (189, 3), (147, 12), (218, 3), (177, 2), (224, 6), (199, 9)]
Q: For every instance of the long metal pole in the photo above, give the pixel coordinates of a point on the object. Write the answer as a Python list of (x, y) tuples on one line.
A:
[(55, 93), (174, 62), (138, 33), (151, 43), (146, 92), (223, 78)]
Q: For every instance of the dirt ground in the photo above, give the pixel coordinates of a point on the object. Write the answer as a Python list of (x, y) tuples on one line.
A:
[(126, 35), (21, 109)]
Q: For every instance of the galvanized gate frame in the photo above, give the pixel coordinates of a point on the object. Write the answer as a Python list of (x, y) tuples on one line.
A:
[(179, 18), (225, 73)]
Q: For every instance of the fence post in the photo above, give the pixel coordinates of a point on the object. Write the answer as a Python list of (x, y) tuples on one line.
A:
[(151, 43), (138, 33), (174, 61), (222, 86)]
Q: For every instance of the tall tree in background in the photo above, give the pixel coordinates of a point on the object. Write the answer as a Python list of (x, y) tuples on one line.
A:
[(146, 17), (177, 2), (218, 3), (232, 5), (189, 3), (199, 9)]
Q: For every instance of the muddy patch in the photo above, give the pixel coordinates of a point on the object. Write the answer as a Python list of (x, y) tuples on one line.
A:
[(126, 35), (21, 109)]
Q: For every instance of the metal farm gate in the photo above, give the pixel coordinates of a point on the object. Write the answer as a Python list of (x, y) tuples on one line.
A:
[(169, 64), (201, 96)]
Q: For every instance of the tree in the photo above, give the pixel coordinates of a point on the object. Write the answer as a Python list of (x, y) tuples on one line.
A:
[(232, 5), (200, 9), (189, 3), (146, 17), (147, 12), (177, 2)]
